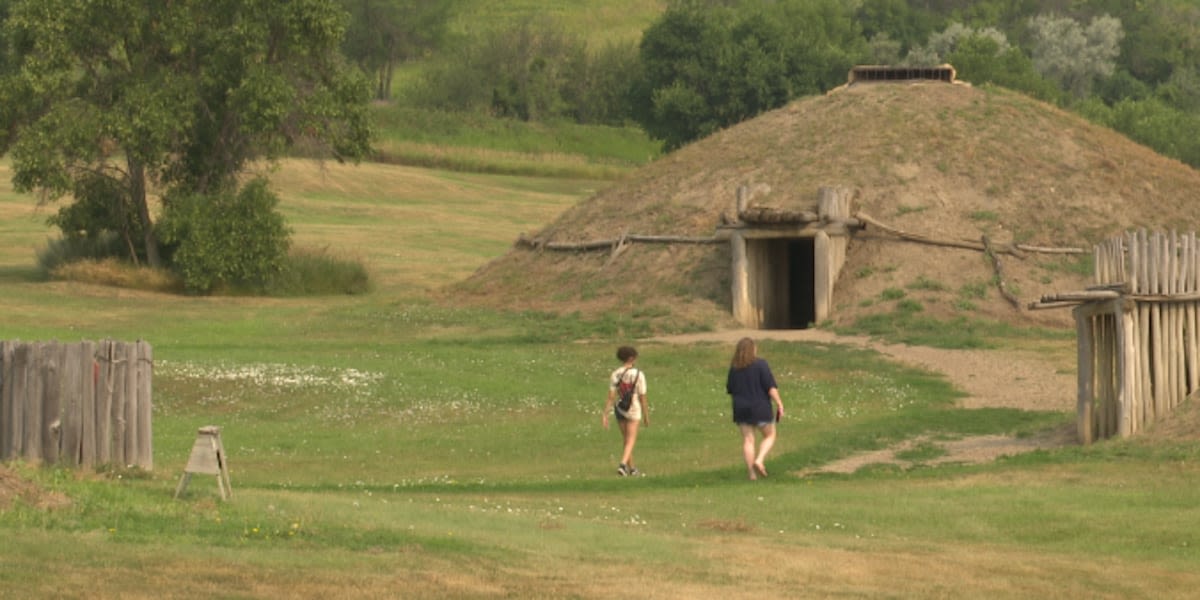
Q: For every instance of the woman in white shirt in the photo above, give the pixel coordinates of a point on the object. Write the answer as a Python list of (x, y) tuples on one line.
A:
[(638, 411)]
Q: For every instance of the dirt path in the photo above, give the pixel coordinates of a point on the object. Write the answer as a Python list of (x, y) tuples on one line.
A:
[(990, 378)]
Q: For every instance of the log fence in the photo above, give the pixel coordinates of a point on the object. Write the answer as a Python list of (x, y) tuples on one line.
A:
[(1138, 346), (80, 404)]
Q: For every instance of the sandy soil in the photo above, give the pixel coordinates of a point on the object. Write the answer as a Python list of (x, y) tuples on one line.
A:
[(13, 487), (990, 378)]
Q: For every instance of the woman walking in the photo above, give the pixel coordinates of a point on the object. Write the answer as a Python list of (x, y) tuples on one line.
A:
[(756, 404), (627, 402)]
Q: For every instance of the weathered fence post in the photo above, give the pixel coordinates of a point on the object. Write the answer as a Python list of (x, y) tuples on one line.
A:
[(145, 436), (80, 404)]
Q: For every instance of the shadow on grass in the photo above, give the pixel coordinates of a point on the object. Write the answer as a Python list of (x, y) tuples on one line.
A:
[(20, 274)]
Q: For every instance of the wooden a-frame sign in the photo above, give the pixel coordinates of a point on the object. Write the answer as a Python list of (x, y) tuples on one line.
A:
[(208, 458)]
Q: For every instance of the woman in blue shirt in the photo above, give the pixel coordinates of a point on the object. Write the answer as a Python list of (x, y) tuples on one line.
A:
[(756, 404)]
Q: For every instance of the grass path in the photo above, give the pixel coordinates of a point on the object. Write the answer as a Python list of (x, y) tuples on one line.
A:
[(1024, 379)]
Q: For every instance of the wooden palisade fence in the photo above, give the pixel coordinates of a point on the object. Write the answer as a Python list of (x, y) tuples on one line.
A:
[(82, 404), (1137, 327)]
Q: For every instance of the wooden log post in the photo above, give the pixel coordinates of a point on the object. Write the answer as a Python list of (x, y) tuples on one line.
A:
[(104, 401), (1106, 397), (18, 386), (743, 310), (833, 204), (1189, 316), (145, 436), (1146, 365), (32, 389), (87, 409), (1128, 420), (1085, 331), (742, 201), (823, 277), (7, 406), (58, 424), (120, 397), (130, 405)]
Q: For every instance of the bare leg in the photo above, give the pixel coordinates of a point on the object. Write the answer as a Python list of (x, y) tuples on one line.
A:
[(748, 448), (629, 431), (768, 441)]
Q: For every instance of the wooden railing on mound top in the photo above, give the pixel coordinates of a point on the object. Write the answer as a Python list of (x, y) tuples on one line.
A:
[(1139, 348), (81, 404)]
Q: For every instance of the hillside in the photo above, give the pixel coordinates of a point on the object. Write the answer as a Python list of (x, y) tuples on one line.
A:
[(941, 160)]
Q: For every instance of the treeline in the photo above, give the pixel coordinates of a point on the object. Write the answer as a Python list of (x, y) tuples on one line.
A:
[(707, 64)]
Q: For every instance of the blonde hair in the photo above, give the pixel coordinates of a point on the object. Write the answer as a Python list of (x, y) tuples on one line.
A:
[(745, 354)]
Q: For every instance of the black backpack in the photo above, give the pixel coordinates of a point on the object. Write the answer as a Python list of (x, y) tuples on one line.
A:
[(626, 390)]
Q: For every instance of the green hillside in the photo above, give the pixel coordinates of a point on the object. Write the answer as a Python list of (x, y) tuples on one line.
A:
[(598, 21)]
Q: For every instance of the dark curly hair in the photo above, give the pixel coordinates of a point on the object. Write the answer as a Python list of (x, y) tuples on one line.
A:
[(624, 353)]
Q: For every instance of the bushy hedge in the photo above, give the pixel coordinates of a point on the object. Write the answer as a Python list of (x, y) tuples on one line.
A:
[(228, 239)]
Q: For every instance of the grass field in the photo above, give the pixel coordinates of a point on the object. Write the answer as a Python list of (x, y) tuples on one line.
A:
[(387, 446)]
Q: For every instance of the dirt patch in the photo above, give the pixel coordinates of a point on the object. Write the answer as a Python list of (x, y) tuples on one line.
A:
[(1182, 425), (13, 487), (1024, 380)]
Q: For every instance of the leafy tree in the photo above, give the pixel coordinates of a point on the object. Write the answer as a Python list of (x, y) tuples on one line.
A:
[(385, 33), (597, 89), (1172, 132), (1182, 89), (530, 71), (1074, 55), (113, 100), (1121, 86), (983, 56), (942, 44), (1162, 36), (680, 56), (909, 26), (528, 67), (885, 50), (706, 67)]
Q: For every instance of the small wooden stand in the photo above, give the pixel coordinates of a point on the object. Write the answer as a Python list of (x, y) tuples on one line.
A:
[(208, 458)]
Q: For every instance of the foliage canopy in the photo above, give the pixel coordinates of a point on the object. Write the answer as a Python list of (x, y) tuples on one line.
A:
[(705, 68), (120, 101)]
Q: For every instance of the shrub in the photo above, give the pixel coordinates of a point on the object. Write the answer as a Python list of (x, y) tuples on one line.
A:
[(71, 248), (226, 239), (310, 272)]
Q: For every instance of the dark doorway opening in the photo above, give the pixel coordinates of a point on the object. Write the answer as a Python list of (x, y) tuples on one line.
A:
[(787, 294), (802, 308)]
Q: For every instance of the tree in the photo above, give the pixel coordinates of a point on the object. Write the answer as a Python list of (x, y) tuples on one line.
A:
[(897, 21), (957, 38), (385, 33), (984, 56), (112, 101), (1162, 36), (1172, 132), (706, 67), (1073, 55), (529, 70)]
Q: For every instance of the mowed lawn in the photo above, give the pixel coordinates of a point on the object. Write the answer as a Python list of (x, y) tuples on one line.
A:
[(387, 446)]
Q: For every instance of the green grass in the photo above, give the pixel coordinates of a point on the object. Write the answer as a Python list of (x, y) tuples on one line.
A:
[(385, 441), (479, 143), (906, 325), (596, 22), (385, 444), (620, 146)]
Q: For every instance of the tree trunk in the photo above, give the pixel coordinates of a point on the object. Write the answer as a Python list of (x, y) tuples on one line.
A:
[(389, 70), (137, 191)]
